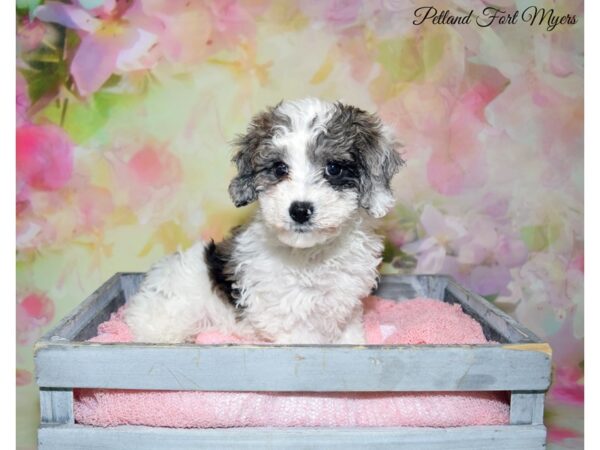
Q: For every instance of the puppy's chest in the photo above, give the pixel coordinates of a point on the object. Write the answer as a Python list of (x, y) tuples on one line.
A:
[(329, 287)]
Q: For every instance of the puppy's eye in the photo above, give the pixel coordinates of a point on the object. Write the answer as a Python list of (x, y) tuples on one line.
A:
[(280, 169), (333, 169)]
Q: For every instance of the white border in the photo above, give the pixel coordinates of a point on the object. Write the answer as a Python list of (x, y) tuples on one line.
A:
[(8, 221), (591, 161)]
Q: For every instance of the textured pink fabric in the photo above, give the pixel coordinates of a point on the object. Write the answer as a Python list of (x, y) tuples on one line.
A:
[(418, 321)]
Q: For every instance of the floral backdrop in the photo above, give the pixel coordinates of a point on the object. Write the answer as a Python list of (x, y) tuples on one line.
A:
[(125, 110)]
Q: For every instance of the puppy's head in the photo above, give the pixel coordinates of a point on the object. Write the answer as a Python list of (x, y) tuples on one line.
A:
[(312, 165)]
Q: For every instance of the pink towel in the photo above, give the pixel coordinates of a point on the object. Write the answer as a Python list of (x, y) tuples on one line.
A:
[(418, 321)]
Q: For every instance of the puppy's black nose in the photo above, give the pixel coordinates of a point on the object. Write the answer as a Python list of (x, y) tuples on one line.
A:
[(301, 211)]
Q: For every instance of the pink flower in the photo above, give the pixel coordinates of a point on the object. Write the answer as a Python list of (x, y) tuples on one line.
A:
[(343, 12), (389, 18), (489, 280), (473, 250), (34, 311), (494, 205), (577, 262), (22, 100), (190, 30), (567, 385), (447, 121), (559, 434), (545, 122), (30, 34), (230, 17), (44, 159), (433, 249), (155, 167), (183, 29), (457, 162), (338, 13), (510, 252), (24, 377), (94, 204), (112, 43)]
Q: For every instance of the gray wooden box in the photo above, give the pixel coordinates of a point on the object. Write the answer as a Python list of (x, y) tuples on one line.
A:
[(519, 363)]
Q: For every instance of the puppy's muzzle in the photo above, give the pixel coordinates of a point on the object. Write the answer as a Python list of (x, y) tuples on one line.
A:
[(301, 212)]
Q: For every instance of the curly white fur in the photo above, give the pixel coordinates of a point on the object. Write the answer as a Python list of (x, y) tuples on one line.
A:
[(176, 301), (289, 295)]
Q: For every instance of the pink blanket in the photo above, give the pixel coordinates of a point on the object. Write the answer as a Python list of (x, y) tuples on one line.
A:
[(418, 321)]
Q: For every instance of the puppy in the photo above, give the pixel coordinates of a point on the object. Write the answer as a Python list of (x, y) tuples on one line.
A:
[(297, 273)]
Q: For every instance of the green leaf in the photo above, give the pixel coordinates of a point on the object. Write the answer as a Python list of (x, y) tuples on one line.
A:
[(45, 81), (538, 237), (534, 237), (28, 4), (83, 119), (47, 69), (389, 251)]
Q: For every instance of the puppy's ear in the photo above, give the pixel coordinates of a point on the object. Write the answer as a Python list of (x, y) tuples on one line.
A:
[(242, 188), (377, 150), (382, 162)]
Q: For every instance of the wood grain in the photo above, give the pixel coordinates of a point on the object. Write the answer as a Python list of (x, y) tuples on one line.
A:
[(291, 368), (514, 437)]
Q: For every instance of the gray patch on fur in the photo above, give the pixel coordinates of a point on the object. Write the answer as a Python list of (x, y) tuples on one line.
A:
[(353, 137), (256, 157), (357, 138)]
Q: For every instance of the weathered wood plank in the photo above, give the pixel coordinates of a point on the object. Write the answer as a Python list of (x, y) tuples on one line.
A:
[(489, 315), (98, 305), (411, 286), (108, 302), (523, 437), (130, 283), (56, 406), (294, 368), (527, 408)]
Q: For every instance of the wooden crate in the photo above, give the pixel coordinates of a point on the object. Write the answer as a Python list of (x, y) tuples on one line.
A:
[(519, 363)]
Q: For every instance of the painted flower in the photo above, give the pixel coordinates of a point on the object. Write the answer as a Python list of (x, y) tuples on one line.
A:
[(547, 296), (155, 167), (231, 18), (24, 377), (544, 122), (44, 159), (433, 249), (94, 205), (343, 12), (338, 13), (440, 118), (112, 41), (389, 18), (34, 311), (30, 34), (150, 171), (22, 100), (473, 250), (183, 29), (457, 162), (567, 385)]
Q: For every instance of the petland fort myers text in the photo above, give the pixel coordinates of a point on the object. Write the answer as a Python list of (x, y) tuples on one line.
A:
[(531, 15)]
